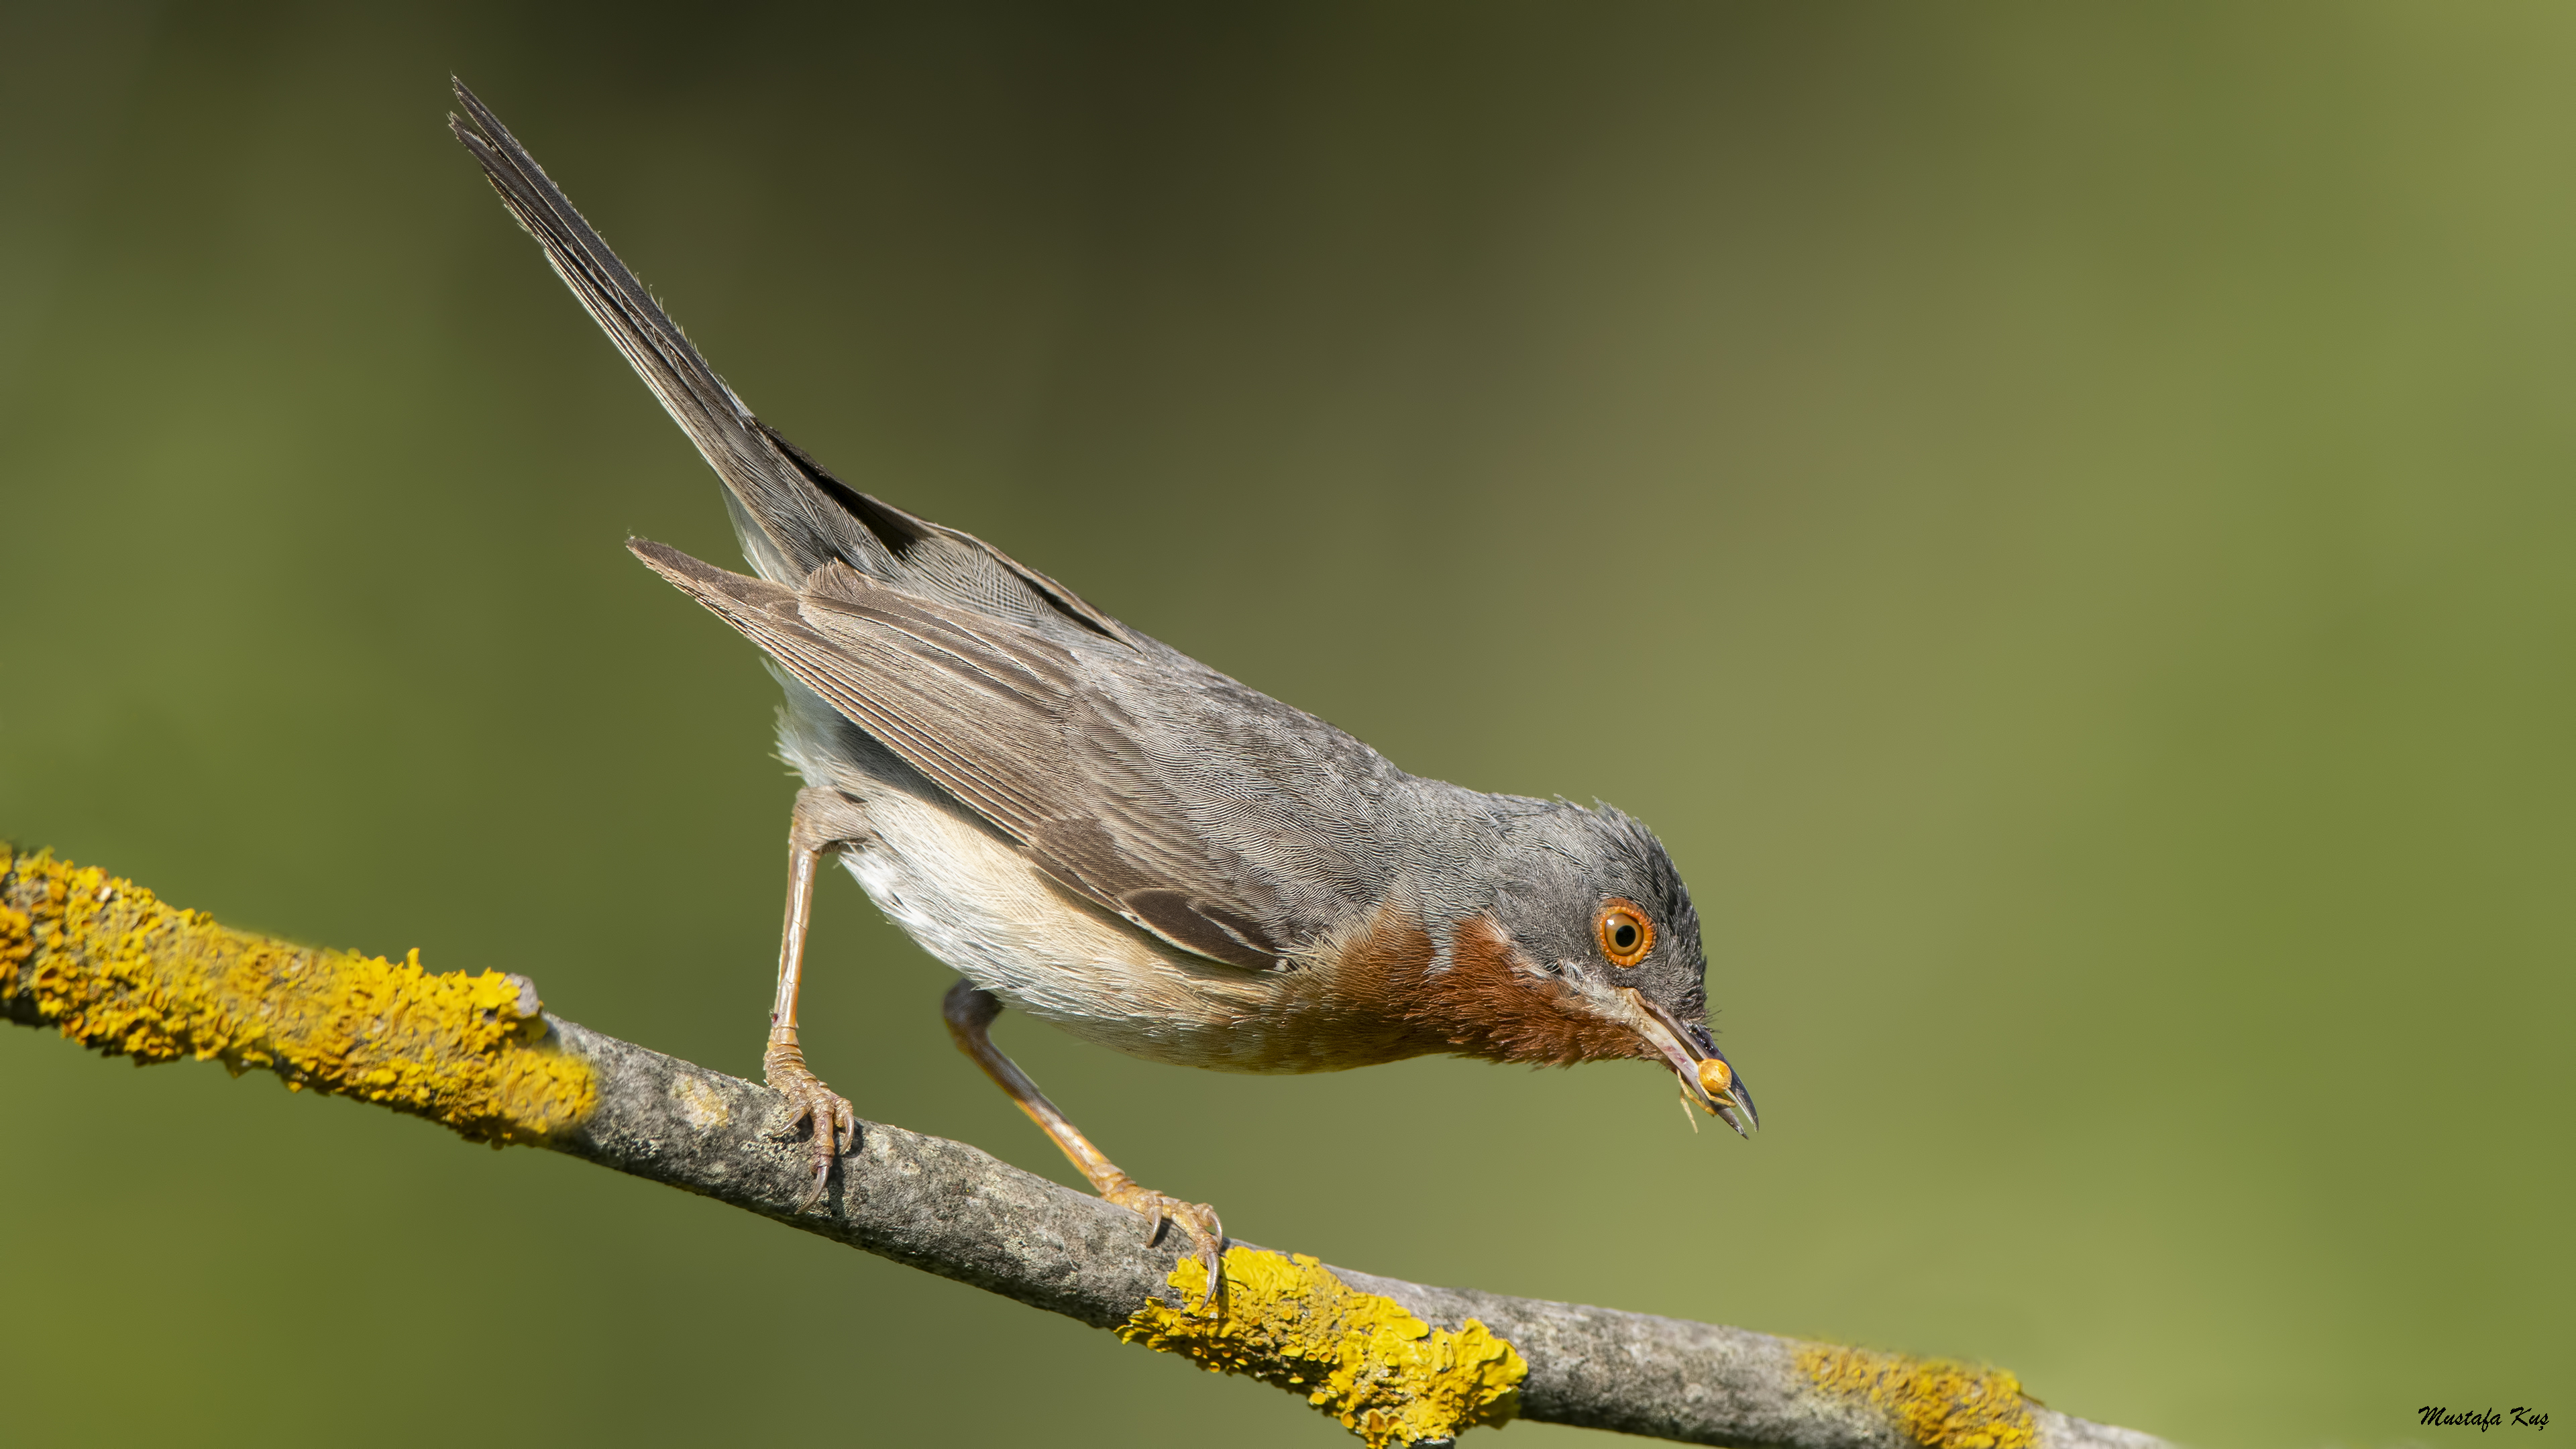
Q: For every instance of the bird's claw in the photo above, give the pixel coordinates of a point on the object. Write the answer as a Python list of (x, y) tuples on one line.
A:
[(835, 1122), (1207, 1234)]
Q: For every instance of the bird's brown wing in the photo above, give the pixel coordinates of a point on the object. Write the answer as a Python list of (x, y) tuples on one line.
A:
[(1201, 811), (1005, 719)]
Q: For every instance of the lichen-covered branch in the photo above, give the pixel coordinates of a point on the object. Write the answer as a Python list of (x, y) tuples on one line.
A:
[(103, 962)]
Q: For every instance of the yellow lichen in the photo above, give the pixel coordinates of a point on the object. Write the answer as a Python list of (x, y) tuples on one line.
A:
[(1938, 1404), (1359, 1357), (115, 969)]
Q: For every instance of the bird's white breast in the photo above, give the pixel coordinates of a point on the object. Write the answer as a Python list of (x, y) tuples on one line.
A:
[(976, 902)]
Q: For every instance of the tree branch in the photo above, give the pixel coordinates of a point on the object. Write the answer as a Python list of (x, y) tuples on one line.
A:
[(107, 965)]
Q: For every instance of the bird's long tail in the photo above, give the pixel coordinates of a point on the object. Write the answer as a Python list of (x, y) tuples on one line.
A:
[(789, 524)]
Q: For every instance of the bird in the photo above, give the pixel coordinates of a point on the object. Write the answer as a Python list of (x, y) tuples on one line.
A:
[(1093, 828)]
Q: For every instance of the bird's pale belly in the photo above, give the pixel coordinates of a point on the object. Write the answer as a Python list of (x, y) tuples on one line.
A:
[(976, 903)]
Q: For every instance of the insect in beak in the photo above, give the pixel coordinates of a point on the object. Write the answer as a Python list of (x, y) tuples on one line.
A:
[(1705, 1075)]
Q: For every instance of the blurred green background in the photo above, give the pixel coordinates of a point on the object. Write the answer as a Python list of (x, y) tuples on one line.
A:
[(2087, 489)]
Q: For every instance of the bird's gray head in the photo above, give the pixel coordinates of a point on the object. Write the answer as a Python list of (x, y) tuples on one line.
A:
[(1601, 927)]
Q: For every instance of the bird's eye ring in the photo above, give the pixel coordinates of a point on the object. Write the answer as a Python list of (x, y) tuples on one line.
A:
[(1625, 933)]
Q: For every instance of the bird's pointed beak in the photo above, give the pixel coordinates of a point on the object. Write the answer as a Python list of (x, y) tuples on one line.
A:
[(1706, 1076)]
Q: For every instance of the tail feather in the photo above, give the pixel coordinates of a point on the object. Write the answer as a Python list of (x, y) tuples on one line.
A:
[(792, 516), (789, 526)]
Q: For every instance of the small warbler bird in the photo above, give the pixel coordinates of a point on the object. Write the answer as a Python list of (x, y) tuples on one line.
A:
[(1102, 832)]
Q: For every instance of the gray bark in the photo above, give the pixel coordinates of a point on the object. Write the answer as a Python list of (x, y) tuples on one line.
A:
[(951, 1209), (126, 974)]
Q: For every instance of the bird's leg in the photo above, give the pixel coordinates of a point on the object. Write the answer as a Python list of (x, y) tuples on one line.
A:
[(824, 820), (970, 1012)]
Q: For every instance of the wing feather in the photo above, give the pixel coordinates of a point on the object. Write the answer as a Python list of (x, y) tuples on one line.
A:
[(1213, 817), (987, 712)]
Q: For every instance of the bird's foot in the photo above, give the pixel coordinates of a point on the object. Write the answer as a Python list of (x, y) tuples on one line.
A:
[(1207, 1235), (836, 1123)]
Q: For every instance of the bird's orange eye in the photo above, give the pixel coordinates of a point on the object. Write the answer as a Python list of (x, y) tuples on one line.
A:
[(1626, 935)]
